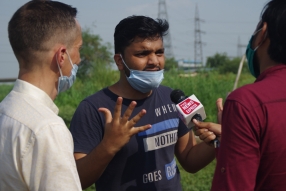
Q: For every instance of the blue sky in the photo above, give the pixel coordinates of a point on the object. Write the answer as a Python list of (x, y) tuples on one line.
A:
[(225, 21)]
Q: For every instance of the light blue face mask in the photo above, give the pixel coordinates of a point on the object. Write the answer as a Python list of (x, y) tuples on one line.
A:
[(144, 81), (250, 55), (66, 82)]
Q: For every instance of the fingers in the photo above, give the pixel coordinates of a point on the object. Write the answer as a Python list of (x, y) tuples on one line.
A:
[(124, 120), (140, 129), (208, 139), (216, 128), (200, 124), (198, 132), (128, 112), (117, 109), (213, 127), (205, 135), (137, 117), (107, 114)]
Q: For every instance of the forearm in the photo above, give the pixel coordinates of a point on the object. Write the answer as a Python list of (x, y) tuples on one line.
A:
[(91, 167), (198, 157)]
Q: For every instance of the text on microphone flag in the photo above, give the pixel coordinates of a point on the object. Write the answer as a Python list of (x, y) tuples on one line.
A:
[(188, 105)]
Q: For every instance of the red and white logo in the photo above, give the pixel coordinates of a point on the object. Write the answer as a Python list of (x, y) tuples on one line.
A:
[(188, 105)]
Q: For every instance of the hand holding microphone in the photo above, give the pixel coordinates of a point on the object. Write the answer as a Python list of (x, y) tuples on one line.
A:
[(190, 108), (208, 132)]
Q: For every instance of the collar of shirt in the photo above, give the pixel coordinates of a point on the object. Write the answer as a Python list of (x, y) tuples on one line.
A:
[(31, 90), (271, 71)]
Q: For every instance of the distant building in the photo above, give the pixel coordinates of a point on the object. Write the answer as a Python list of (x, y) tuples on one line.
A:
[(189, 65)]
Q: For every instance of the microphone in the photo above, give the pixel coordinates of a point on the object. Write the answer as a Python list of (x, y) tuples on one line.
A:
[(189, 108)]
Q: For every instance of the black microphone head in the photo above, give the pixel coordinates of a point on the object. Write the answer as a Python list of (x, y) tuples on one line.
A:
[(177, 96)]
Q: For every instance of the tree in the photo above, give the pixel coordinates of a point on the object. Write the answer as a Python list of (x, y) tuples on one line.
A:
[(217, 60), (93, 54), (170, 63), (224, 64)]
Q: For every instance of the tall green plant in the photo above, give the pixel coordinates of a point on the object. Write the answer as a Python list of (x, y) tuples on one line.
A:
[(4, 90)]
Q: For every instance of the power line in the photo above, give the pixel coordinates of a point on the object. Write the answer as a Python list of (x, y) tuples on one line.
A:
[(198, 41), (231, 22), (162, 14)]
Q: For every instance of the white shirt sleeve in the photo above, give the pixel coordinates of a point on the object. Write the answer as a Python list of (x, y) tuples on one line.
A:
[(48, 162)]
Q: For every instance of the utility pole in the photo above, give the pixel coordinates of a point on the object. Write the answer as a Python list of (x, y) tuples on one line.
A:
[(162, 14), (239, 47), (198, 41)]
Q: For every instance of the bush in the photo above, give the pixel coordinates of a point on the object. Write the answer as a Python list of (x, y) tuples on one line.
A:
[(223, 64)]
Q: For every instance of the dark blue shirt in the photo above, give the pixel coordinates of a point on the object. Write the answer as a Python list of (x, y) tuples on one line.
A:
[(147, 162)]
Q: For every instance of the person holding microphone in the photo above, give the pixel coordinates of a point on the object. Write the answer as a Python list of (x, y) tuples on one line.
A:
[(253, 148)]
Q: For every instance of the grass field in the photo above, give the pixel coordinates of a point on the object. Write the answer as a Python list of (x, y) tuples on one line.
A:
[(207, 86)]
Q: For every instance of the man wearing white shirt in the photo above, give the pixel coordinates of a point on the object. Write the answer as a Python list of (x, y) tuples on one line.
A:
[(36, 148)]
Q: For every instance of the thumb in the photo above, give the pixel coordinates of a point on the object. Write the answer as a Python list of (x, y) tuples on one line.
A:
[(219, 104), (219, 109), (215, 128), (107, 114), (200, 124)]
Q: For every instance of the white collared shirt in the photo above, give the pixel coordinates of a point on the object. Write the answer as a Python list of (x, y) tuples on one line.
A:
[(36, 147)]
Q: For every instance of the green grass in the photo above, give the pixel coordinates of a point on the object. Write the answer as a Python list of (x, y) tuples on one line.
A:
[(200, 181), (4, 90), (207, 86)]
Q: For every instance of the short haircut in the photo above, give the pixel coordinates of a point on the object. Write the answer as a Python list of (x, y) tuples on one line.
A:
[(39, 24), (274, 14), (137, 26)]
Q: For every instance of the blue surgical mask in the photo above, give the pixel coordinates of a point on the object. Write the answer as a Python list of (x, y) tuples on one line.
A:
[(144, 81), (250, 56), (66, 82)]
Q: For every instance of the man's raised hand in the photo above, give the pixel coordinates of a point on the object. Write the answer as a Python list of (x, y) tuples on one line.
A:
[(119, 130)]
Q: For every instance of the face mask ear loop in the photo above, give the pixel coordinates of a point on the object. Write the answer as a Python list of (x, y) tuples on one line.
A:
[(124, 62), (262, 40), (59, 65), (260, 43), (69, 58)]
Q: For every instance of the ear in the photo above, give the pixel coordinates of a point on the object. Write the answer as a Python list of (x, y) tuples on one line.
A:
[(60, 55), (118, 61), (262, 35)]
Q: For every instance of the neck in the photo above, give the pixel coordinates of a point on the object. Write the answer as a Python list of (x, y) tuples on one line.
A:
[(42, 79), (265, 60), (265, 65)]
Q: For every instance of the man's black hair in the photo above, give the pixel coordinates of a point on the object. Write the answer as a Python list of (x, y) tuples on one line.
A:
[(274, 14), (137, 26)]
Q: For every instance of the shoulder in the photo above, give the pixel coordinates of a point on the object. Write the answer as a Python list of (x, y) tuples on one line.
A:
[(88, 108), (93, 101), (29, 112), (100, 98), (247, 95), (97, 95)]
